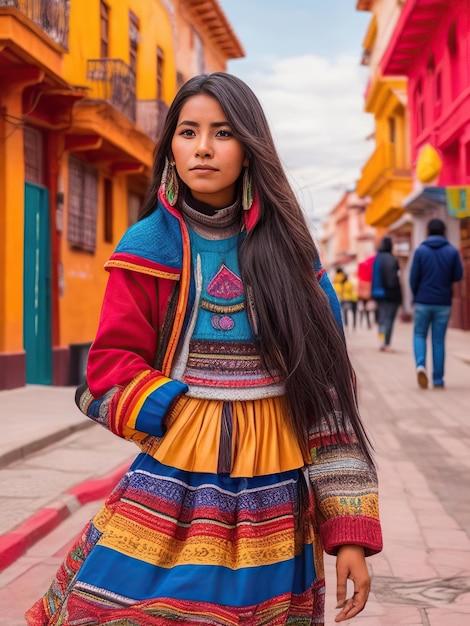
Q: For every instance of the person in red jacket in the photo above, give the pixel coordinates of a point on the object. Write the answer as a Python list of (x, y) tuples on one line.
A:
[(220, 355), (366, 305)]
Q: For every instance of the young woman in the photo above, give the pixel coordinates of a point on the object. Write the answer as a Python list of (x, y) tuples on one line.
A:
[(220, 354)]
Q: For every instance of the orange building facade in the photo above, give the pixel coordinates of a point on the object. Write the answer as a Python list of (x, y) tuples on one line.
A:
[(84, 88)]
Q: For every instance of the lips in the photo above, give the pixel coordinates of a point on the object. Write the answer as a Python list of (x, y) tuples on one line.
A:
[(203, 168)]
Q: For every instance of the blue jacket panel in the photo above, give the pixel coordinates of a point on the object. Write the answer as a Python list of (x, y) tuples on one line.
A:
[(385, 278), (436, 265)]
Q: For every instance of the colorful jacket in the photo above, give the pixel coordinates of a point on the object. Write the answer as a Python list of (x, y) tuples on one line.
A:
[(149, 299)]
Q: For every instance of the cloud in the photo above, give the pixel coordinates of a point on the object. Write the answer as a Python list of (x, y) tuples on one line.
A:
[(315, 108)]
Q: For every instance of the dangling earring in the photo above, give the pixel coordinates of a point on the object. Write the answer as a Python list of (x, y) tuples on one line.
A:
[(247, 191), (170, 182)]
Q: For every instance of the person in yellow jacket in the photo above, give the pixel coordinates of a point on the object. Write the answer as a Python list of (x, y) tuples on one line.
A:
[(349, 300), (338, 281)]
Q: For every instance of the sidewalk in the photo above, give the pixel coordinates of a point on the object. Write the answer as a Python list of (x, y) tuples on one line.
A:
[(422, 442), (52, 461)]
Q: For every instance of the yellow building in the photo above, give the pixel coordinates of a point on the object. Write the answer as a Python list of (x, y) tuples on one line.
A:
[(386, 177), (84, 88)]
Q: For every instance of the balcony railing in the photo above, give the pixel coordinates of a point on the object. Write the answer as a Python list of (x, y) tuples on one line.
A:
[(151, 116), (114, 82), (52, 16), (380, 166)]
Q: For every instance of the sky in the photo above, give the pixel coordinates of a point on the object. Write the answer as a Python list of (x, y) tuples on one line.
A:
[(303, 62)]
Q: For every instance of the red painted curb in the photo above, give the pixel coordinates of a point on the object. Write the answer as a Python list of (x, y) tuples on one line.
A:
[(15, 543), (97, 488), (11, 547)]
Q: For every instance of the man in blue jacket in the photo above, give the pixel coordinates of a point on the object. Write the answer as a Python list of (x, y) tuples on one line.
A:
[(436, 266)]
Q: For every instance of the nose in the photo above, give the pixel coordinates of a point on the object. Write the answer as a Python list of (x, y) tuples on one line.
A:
[(204, 147)]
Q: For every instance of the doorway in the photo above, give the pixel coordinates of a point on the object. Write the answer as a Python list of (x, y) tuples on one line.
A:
[(37, 327)]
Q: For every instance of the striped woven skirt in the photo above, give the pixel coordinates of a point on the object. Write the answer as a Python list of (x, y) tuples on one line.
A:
[(175, 546)]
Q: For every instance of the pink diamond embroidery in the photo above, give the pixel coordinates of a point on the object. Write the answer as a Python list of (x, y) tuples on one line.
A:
[(225, 284)]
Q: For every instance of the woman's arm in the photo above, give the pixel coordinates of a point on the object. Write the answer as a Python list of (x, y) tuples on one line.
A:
[(345, 495), (345, 490), (123, 391)]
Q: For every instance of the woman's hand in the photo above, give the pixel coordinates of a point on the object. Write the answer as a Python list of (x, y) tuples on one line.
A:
[(351, 563)]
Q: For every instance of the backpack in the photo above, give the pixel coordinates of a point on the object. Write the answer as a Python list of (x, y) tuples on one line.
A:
[(378, 290)]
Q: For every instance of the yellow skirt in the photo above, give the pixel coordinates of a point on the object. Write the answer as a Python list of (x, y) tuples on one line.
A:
[(261, 439)]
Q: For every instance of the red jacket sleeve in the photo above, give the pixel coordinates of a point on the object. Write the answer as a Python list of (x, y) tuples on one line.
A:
[(126, 340), (124, 392)]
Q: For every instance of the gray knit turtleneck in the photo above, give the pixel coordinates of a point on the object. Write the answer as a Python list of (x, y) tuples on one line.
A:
[(223, 224)]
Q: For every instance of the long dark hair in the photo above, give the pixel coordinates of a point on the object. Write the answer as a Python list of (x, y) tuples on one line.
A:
[(298, 334)]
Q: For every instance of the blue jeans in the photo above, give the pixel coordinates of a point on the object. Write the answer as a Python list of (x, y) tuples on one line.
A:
[(436, 316), (387, 312)]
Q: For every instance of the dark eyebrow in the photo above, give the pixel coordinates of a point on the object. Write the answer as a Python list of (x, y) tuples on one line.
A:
[(195, 124)]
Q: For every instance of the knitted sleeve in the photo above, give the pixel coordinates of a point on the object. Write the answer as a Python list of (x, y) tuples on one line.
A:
[(345, 491), (123, 391)]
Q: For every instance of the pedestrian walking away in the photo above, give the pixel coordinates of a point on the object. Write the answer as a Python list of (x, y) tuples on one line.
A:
[(338, 280), (220, 354), (436, 266), (366, 306), (386, 291), (349, 301)]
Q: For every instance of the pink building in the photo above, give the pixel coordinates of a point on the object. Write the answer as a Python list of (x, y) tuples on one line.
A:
[(431, 46), (346, 239)]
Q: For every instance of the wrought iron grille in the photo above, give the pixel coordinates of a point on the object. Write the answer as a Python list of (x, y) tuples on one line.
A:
[(83, 205), (114, 82), (52, 16), (151, 116)]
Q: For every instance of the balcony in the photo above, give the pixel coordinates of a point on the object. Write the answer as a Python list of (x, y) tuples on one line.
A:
[(113, 82), (151, 117), (380, 169), (51, 16), (386, 184)]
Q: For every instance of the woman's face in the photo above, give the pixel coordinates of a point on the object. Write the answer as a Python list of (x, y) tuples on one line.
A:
[(207, 156)]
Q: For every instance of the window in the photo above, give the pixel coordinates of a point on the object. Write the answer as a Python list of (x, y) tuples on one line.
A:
[(420, 120), (198, 53), (431, 64), (82, 205), (33, 155), (160, 65), (419, 87), (421, 116), (134, 39), (452, 40), (392, 129), (104, 30), (108, 210), (134, 204), (438, 86), (454, 61)]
